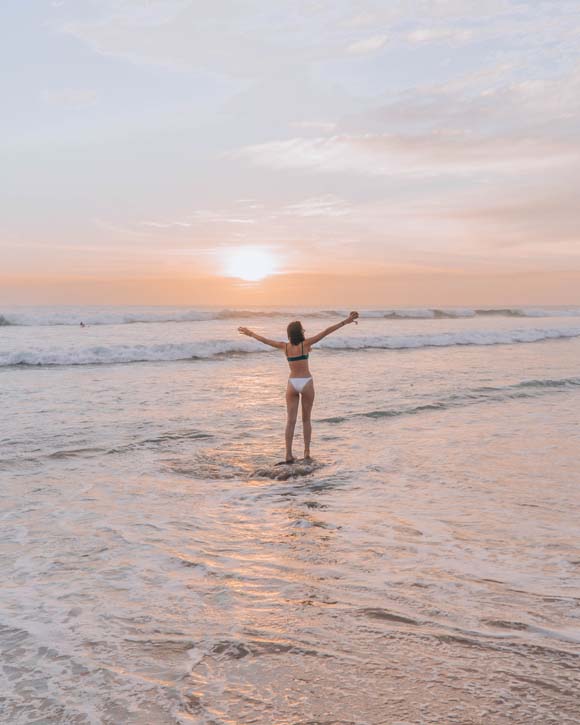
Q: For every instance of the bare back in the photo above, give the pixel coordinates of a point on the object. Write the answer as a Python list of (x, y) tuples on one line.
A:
[(298, 368)]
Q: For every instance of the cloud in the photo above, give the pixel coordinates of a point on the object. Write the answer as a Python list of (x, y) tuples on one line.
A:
[(247, 38), (427, 154), (539, 215), (70, 97), (326, 205), (485, 103), (166, 225), (202, 219), (321, 126), (428, 35), (240, 39), (367, 45)]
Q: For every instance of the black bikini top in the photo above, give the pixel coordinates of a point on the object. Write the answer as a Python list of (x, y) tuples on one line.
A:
[(304, 355)]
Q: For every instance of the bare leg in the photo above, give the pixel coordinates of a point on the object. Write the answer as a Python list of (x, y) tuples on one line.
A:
[(307, 403), (292, 401)]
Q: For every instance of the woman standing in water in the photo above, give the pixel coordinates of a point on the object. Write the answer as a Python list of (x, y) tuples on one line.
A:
[(300, 382)]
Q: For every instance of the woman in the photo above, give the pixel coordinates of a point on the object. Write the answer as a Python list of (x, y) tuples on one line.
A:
[(300, 382)]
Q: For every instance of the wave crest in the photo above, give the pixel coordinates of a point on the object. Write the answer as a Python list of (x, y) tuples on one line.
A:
[(207, 349), (450, 339), (48, 317), (525, 389), (113, 354)]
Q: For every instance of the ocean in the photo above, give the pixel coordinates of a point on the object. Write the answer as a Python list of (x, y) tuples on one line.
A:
[(158, 568)]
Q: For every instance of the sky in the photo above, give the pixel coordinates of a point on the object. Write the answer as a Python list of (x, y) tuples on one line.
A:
[(366, 151)]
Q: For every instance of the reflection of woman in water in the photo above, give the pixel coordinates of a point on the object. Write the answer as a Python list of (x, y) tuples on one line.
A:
[(300, 382)]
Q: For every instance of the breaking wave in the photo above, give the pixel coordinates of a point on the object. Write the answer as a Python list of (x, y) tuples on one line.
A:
[(126, 316), (450, 339), (111, 354), (207, 349)]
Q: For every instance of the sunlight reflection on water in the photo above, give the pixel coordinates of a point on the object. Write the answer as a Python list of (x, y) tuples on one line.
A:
[(425, 570)]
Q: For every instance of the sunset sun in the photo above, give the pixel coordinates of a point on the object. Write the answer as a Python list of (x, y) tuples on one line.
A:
[(250, 263)]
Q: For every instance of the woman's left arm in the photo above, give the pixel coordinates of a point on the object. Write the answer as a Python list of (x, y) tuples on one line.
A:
[(316, 338), (259, 338)]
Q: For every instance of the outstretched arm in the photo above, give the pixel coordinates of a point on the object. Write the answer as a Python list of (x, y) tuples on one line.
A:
[(265, 340), (316, 338)]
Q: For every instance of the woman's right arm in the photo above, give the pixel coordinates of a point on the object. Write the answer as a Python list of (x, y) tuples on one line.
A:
[(259, 338), (316, 338)]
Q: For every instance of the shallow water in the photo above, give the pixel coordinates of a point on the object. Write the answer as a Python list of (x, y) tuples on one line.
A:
[(425, 570)]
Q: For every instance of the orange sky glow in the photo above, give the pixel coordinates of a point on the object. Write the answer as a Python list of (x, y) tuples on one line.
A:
[(397, 289)]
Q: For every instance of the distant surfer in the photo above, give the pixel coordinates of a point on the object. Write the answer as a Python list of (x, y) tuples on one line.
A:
[(83, 324), (300, 382)]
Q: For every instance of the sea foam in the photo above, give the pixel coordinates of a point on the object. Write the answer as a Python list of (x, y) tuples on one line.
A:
[(53, 316), (207, 349)]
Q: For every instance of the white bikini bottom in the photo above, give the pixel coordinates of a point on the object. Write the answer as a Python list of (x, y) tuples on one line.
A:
[(299, 383)]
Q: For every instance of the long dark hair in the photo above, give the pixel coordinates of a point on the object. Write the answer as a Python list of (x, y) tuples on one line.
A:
[(295, 332)]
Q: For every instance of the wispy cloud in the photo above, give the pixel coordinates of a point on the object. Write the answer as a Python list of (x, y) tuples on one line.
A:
[(367, 45), (542, 112), (429, 35), (320, 126), (166, 225), (232, 38), (326, 205), (236, 38), (70, 97), (428, 154)]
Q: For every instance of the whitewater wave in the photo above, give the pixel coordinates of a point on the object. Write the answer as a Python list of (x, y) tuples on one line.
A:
[(101, 316), (457, 313), (128, 316), (525, 389), (112, 354), (207, 349), (449, 339), (49, 317)]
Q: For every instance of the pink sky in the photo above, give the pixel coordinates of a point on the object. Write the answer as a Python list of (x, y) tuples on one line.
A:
[(400, 153)]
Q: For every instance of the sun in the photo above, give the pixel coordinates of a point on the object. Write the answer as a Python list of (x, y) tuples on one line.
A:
[(250, 263)]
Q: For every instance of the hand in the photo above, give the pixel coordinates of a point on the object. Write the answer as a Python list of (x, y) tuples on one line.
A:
[(352, 318), (245, 331)]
